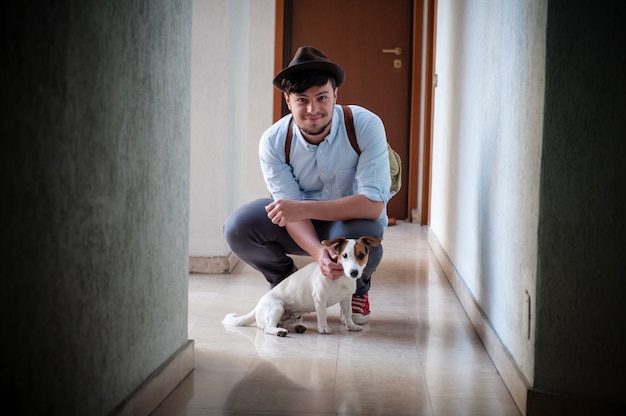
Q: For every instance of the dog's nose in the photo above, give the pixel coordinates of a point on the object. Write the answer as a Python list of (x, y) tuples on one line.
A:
[(354, 273)]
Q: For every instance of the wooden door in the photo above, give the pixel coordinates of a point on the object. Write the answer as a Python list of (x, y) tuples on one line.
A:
[(353, 34)]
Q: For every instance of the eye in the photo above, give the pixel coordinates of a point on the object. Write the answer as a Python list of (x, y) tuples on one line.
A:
[(344, 255), (361, 256)]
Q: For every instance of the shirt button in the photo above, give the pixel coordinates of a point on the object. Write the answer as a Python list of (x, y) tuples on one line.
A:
[(326, 190), (322, 173)]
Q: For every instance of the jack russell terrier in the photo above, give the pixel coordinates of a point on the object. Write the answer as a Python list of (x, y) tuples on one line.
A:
[(308, 290)]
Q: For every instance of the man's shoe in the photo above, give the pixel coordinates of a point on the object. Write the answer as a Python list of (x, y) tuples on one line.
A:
[(360, 309)]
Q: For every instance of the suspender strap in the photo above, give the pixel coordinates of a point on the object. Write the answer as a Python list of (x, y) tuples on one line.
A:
[(349, 122), (288, 141), (347, 115)]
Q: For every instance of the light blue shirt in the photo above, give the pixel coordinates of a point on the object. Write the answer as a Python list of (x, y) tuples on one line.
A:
[(332, 169)]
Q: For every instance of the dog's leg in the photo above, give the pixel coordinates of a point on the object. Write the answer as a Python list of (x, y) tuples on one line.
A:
[(346, 312), (274, 314), (322, 314), (293, 322)]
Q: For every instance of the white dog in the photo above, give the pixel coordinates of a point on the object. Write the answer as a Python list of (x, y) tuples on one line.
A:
[(308, 290)]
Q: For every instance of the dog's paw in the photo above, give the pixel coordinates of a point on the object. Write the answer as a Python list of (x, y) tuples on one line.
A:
[(281, 332), (300, 329), (324, 330), (354, 327)]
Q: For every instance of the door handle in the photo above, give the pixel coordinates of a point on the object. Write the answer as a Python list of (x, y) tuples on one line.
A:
[(397, 50)]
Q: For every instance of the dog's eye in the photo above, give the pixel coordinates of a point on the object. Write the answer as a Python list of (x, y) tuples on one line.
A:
[(361, 256), (344, 255)]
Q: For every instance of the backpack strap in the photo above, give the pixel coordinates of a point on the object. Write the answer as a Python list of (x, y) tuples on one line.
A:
[(349, 121)]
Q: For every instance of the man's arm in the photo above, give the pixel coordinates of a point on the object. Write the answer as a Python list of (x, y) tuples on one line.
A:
[(284, 211)]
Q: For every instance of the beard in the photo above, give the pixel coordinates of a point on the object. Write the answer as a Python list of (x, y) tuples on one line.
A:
[(315, 132)]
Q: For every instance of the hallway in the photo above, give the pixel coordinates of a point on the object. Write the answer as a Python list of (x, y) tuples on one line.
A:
[(418, 356)]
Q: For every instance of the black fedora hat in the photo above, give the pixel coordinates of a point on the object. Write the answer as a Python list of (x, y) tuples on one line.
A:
[(308, 58)]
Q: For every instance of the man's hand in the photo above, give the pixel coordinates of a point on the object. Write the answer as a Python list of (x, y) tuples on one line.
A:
[(326, 259), (304, 234), (285, 211)]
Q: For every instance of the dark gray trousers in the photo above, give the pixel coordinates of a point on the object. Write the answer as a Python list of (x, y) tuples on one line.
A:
[(264, 246)]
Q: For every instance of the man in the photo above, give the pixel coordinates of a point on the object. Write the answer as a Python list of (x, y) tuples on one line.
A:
[(321, 189)]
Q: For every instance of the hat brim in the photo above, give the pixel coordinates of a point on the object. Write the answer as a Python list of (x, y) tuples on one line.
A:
[(335, 70)]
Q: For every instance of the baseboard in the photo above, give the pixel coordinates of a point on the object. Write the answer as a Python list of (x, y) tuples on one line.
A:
[(160, 384), (514, 380), (213, 265)]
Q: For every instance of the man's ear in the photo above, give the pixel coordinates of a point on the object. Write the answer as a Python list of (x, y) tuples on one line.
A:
[(335, 95), (287, 101)]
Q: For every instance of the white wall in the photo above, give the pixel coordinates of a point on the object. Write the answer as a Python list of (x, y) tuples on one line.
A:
[(231, 93), (490, 61)]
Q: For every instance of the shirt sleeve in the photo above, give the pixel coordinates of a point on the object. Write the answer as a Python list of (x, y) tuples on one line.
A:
[(277, 173), (372, 178)]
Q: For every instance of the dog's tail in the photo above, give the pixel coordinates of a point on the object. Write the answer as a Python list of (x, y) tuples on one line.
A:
[(233, 320)]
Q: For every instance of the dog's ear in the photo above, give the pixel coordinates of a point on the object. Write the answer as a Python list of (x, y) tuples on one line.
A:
[(335, 243), (371, 241)]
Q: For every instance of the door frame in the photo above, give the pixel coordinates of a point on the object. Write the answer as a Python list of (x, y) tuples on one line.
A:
[(421, 107)]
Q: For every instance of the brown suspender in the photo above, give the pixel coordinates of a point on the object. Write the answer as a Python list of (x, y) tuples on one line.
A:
[(349, 123), (347, 115), (288, 141)]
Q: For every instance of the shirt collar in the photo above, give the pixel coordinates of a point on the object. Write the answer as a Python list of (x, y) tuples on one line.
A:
[(334, 125)]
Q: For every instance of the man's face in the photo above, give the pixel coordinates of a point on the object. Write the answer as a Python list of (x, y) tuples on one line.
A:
[(313, 109)]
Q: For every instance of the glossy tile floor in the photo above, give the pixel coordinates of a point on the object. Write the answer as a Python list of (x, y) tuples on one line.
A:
[(419, 355)]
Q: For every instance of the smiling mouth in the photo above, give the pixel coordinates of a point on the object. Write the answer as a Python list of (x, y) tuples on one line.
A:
[(317, 132)]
